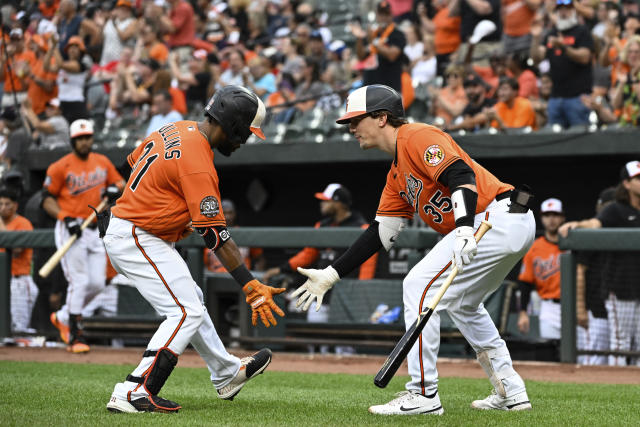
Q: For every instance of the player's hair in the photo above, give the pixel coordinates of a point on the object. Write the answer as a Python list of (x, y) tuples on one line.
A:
[(391, 119)]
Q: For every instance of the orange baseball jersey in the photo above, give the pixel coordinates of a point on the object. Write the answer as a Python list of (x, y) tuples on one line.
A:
[(423, 152), (173, 182), (21, 264), (541, 267), (77, 183)]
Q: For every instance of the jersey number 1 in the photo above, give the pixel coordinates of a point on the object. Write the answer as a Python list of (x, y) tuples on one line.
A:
[(147, 163)]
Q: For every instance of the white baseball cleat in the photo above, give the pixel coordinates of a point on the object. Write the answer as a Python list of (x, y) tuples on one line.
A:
[(250, 367), (518, 402), (410, 403)]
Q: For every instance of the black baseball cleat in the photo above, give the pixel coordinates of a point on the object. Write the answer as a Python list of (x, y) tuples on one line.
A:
[(250, 367), (143, 404)]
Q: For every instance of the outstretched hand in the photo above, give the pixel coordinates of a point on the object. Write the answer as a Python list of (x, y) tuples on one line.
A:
[(318, 283), (260, 298)]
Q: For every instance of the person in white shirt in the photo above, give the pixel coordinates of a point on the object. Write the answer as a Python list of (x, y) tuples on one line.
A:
[(163, 111)]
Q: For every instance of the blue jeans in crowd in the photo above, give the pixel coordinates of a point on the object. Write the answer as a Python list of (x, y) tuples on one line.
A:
[(567, 112)]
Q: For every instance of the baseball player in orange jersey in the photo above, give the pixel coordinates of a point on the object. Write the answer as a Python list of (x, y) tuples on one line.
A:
[(77, 180), (174, 186), (432, 176), (23, 290)]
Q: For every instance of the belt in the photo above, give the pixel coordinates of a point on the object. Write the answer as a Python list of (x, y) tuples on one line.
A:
[(503, 196), (92, 225), (556, 300)]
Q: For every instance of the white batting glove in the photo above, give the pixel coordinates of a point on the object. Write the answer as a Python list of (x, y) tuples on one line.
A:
[(464, 247), (317, 284)]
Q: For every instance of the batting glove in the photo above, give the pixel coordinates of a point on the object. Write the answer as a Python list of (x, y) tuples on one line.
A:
[(73, 225), (260, 298), (112, 192), (318, 283), (464, 247)]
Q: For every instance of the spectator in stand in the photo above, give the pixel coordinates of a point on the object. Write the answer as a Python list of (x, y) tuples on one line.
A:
[(445, 29), (132, 86), (511, 111), (121, 28), (425, 68), (473, 116), (71, 24), (540, 104), (162, 111), (591, 312), (517, 17), (235, 74), (150, 45), (493, 73), (569, 49), (163, 82), (181, 27), (42, 84), (614, 42), (196, 81), (48, 8), (23, 290), (310, 85), (18, 141), (626, 94), (72, 75), (414, 48), (263, 82), (253, 257), (449, 101), (472, 13), (541, 271), (519, 69), (621, 268), (53, 131), (16, 64), (380, 50)]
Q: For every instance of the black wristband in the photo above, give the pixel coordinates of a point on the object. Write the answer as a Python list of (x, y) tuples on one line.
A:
[(242, 275)]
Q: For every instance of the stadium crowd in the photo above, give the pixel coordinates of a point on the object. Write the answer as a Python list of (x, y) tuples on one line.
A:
[(462, 65)]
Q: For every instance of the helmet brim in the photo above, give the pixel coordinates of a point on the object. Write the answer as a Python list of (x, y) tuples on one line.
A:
[(258, 132)]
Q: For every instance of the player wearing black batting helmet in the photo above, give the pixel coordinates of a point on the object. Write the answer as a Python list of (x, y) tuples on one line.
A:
[(239, 113), (370, 99)]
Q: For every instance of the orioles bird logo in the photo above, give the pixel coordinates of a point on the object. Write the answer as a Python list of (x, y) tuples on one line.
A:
[(433, 155)]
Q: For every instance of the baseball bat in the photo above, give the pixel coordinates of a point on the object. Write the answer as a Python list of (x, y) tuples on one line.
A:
[(400, 351), (46, 269)]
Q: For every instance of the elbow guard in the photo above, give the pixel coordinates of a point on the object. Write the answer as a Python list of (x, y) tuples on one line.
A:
[(214, 237), (388, 230), (464, 206)]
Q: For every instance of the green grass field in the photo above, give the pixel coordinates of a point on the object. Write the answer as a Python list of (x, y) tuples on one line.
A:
[(57, 394)]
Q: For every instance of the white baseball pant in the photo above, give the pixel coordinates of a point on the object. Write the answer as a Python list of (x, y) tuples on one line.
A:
[(84, 266), (23, 297), (499, 250), (624, 327), (162, 277)]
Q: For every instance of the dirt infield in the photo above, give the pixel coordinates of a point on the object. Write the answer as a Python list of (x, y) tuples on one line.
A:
[(294, 362)]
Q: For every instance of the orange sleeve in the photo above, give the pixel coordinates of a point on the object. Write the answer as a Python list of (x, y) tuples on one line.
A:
[(54, 180), (304, 258), (132, 158), (203, 199), (526, 270)]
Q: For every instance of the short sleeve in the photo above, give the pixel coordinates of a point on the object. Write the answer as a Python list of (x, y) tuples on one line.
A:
[(203, 199), (434, 150), (54, 180), (608, 216)]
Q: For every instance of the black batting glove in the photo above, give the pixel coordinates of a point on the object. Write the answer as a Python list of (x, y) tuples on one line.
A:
[(73, 225), (112, 192)]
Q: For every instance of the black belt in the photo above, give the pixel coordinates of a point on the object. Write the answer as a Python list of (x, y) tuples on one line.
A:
[(503, 196), (92, 225), (557, 300)]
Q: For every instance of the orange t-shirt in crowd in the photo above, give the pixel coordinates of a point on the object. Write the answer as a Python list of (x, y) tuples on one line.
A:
[(521, 114), (541, 268), (77, 183), (173, 183), (48, 11), (453, 97), (408, 93), (423, 153), (492, 79), (618, 67), (18, 62), (21, 264), (37, 94), (516, 17), (159, 52), (178, 100), (446, 37), (528, 84)]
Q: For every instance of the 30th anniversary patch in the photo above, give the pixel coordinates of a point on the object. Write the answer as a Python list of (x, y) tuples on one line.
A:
[(209, 207)]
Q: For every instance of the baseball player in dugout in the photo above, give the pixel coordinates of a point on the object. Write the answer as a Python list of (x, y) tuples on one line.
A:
[(173, 189), (541, 271), (23, 290), (78, 180), (431, 176)]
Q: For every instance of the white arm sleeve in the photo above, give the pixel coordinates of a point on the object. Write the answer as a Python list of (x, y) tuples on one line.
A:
[(389, 229)]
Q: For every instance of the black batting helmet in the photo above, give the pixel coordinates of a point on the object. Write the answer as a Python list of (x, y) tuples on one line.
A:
[(239, 112), (372, 98)]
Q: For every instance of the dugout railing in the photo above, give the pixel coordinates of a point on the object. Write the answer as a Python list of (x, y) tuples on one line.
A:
[(611, 239)]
